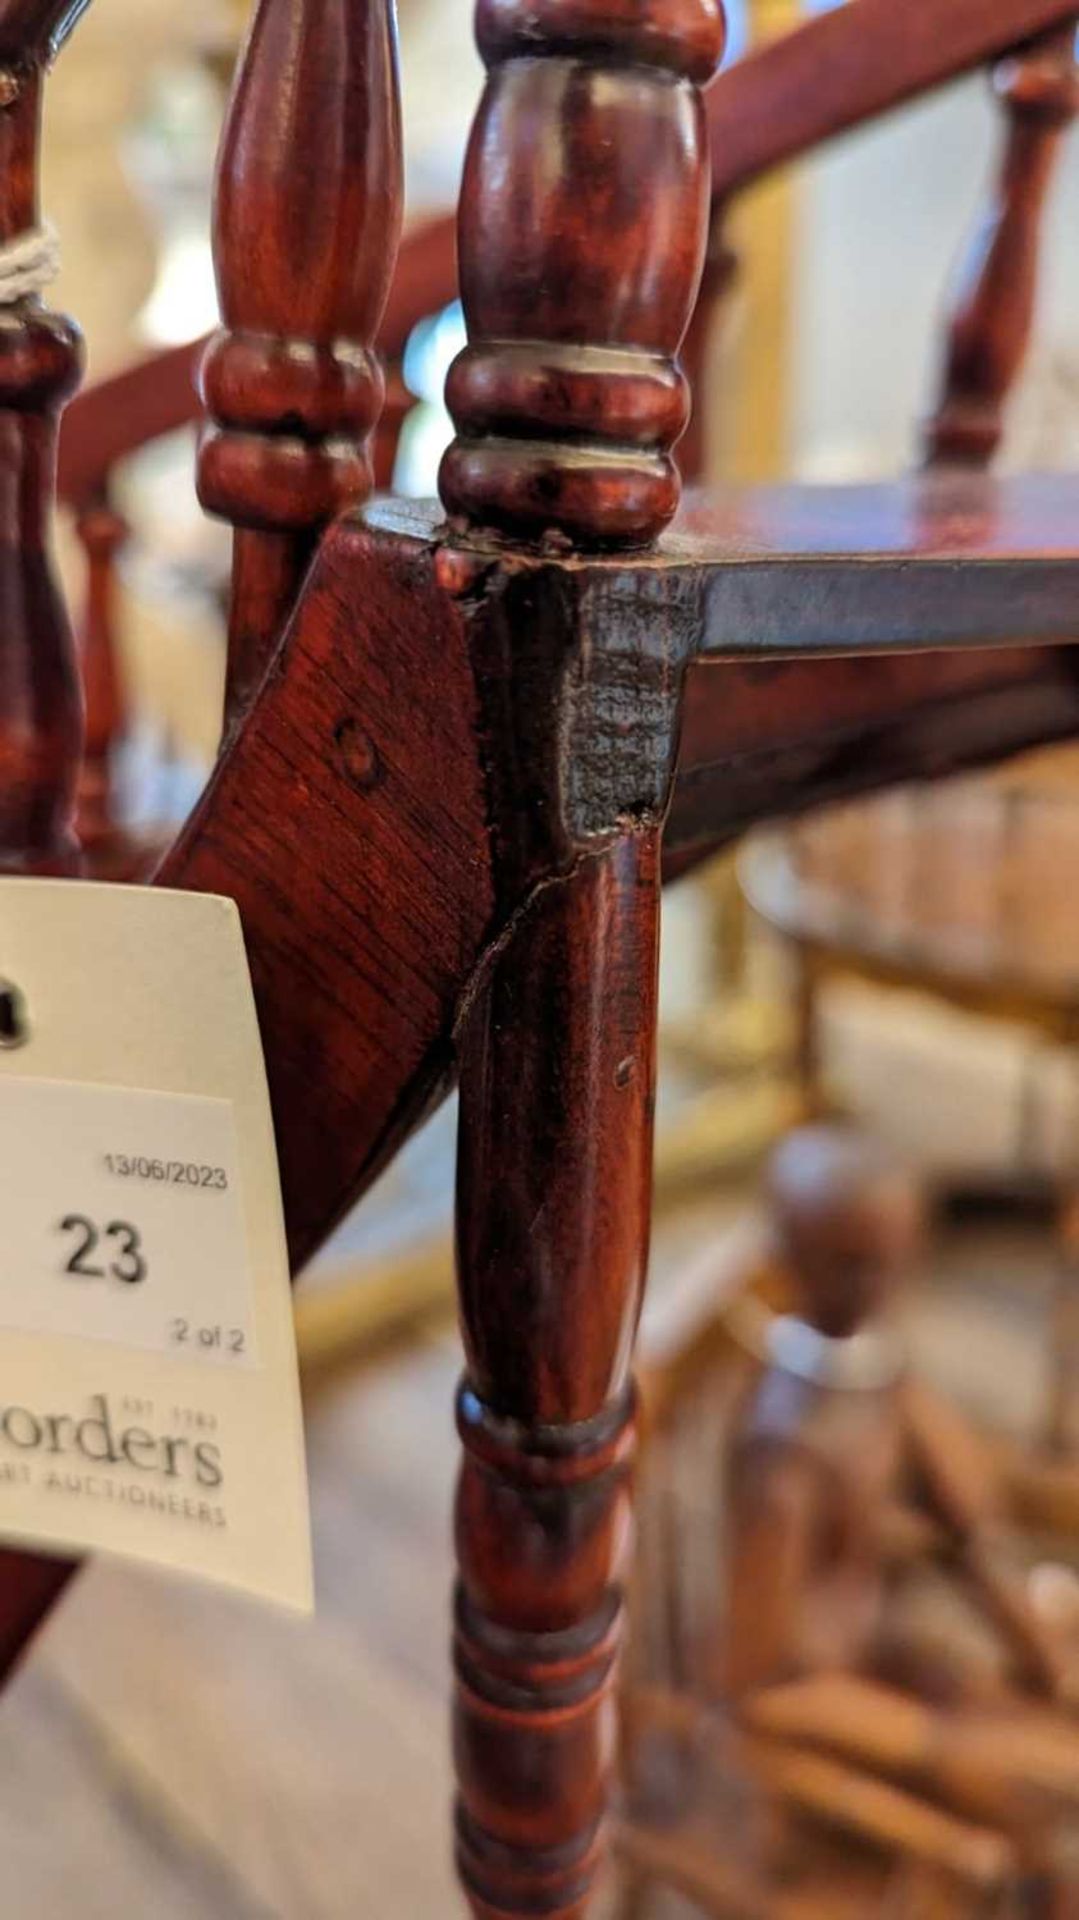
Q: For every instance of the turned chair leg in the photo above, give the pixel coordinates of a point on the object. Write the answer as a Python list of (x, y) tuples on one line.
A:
[(557, 1057)]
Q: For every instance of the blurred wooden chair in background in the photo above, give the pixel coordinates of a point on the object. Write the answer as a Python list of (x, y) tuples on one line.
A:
[(782, 1691), (958, 895)]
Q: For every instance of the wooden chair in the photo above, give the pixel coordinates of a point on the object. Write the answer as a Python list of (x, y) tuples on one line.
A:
[(746, 1827), (976, 940), (466, 742)]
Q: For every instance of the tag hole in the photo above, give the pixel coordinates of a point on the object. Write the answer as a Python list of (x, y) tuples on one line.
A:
[(14, 1026)]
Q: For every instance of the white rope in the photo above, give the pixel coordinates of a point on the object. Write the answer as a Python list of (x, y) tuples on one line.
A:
[(28, 263)]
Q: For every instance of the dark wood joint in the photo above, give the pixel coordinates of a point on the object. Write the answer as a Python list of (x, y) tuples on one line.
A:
[(578, 674)]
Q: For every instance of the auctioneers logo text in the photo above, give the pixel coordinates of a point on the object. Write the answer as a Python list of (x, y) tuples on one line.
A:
[(98, 1437)]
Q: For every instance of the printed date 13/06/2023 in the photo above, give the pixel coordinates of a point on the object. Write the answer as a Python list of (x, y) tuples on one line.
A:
[(177, 1173)]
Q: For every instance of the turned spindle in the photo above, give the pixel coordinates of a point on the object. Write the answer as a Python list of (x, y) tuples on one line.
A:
[(307, 222), (582, 228), (40, 361), (994, 310)]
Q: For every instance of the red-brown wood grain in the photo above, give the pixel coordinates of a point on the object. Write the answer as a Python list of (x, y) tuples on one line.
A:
[(780, 102), (836, 71), (373, 870), (553, 1201), (307, 221), (577, 288), (362, 881), (936, 560), (763, 741), (356, 815)]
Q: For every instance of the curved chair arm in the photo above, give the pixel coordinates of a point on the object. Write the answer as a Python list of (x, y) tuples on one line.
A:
[(849, 66)]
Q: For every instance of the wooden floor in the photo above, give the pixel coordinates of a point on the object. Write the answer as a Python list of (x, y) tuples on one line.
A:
[(169, 1753)]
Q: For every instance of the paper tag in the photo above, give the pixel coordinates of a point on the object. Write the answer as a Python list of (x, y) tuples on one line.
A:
[(123, 1219), (149, 1399)]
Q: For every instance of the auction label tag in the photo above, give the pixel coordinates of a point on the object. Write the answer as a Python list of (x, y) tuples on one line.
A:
[(149, 1396)]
